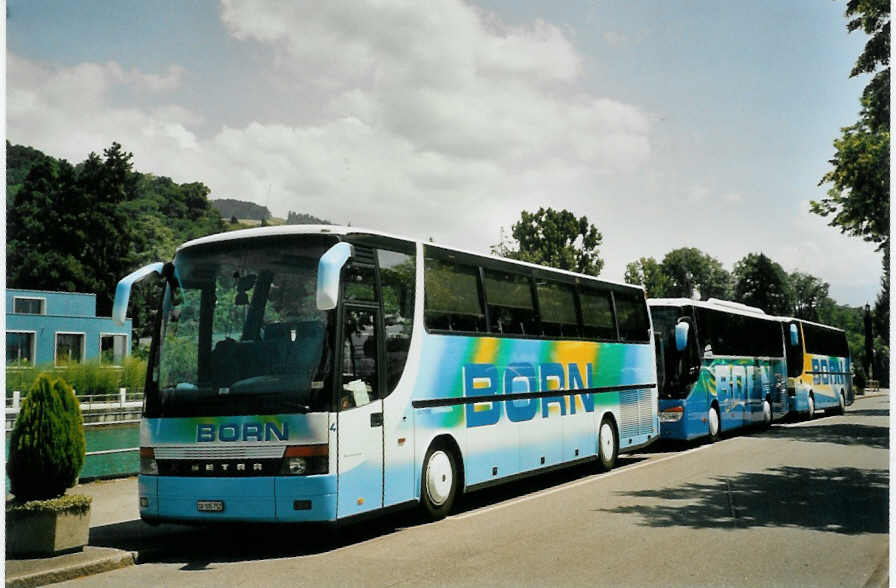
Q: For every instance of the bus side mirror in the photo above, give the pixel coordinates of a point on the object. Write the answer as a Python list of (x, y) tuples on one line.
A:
[(123, 290), (794, 336), (681, 335), (328, 271)]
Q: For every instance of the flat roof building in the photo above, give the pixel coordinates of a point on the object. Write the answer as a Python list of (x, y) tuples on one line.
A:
[(55, 328)]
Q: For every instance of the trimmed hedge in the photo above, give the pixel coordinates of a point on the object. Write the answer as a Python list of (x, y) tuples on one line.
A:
[(47, 445)]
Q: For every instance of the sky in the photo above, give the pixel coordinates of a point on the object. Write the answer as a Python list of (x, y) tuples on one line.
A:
[(668, 124)]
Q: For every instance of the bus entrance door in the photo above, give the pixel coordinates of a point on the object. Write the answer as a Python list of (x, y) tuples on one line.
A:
[(360, 418)]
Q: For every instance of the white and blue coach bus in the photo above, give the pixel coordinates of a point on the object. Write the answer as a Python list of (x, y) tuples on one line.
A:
[(721, 367), (318, 373), (819, 373)]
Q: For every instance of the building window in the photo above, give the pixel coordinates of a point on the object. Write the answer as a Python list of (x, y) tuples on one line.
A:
[(19, 349), (113, 349), (69, 348), (29, 305)]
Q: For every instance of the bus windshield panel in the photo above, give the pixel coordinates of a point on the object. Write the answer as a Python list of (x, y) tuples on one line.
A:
[(240, 332)]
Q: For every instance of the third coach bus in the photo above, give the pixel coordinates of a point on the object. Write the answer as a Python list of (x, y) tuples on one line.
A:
[(818, 367), (318, 373), (721, 366)]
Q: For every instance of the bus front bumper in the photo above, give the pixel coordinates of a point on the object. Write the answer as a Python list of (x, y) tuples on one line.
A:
[(251, 499), (678, 421)]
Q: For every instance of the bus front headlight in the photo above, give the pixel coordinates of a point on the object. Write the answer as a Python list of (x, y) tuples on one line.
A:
[(296, 466), (304, 460), (148, 464)]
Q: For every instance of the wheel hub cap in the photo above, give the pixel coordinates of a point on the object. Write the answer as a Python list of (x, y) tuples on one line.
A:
[(439, 477), (606, 442)]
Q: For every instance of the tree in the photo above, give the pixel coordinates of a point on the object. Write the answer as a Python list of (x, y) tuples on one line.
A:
[(647, 272), (555, 238), (808, 294), (67, 231), (46, 448), (859, 196), (759, 281), (694, 273)]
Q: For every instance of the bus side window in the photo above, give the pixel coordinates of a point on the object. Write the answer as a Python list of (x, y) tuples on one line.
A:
[(511, 310), (452, 297), (397, 276), (557, 303), (631, 309), (359, 369), (597, 315)]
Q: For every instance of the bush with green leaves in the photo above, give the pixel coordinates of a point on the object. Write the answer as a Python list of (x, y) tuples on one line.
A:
[(47, 446)]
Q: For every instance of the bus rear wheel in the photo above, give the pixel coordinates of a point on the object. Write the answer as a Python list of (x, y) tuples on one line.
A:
[(607, 444), (766, 413), (811, 407), (438, 484), (715, 424), (841, 407)]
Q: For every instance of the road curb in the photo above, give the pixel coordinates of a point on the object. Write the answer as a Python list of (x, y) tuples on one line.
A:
[(63, 571)]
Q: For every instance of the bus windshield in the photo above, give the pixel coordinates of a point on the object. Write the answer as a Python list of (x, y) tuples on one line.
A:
[(674, 369), (241, 333)]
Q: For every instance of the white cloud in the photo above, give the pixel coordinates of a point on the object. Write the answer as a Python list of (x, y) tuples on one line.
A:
[(434, 119)]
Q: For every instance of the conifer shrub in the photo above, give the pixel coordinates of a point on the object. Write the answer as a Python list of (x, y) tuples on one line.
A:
[(47, 446)]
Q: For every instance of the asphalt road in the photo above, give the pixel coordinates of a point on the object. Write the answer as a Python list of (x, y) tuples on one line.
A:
[(801, 504)]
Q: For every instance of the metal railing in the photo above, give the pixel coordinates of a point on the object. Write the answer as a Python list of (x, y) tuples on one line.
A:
[(89, 402)]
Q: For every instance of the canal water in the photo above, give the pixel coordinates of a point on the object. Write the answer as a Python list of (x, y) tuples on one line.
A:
[(105, 437)]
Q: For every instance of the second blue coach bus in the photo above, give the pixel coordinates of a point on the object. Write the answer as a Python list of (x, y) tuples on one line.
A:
[(720, 366)]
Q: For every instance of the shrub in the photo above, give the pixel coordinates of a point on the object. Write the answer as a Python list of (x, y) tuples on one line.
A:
[(133, 374), (47, 446)]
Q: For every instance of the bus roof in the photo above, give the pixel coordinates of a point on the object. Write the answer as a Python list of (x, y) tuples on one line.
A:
[(714, 304), (787, 319), (340, 230)]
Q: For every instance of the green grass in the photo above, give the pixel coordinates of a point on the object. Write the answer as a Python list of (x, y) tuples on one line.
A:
[(89, 377)]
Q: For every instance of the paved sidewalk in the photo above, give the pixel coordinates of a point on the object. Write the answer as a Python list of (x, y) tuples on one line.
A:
[(117, 535), (114, 502)]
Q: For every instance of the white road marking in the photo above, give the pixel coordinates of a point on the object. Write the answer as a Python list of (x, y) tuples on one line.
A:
[(567, 486)]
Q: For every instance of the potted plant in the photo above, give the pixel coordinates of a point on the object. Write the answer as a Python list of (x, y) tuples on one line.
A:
[(46, 452)]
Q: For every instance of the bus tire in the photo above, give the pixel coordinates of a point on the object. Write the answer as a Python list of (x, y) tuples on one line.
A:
[(715, 423), (841, 407), (767, 415), (811, 407), (439, 482), (607, 444)]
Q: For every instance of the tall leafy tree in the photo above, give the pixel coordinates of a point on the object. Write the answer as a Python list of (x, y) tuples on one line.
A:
[(759, 281), (858, 200), (808, 294), (647, 272), (81, 228), (555, 238), (692, 273)]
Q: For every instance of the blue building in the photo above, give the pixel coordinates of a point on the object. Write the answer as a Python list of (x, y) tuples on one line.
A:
[(61, 327)]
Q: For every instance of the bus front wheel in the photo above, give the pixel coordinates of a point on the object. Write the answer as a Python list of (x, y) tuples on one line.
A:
[(607, 444), (438, 486), (811, 407)]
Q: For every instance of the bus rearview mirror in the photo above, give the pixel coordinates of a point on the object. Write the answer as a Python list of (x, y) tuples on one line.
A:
[(794, 336), (681, 335), (329, 268), (123, 290)]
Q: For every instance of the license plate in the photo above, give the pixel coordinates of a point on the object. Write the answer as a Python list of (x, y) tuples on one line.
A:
[(210, 505)]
